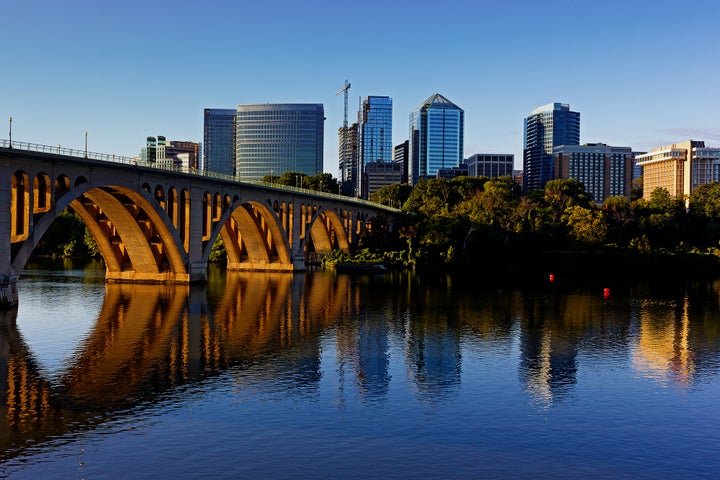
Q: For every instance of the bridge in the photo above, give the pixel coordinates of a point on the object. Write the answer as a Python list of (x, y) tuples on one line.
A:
[(158, 225)]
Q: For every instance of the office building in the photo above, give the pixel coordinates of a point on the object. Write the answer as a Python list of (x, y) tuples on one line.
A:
[(547, 127), (400, 155), (161, 153), (219, 141), (490, 165), (450, 173), (278, 138), (374, 136), (436, 138), (604, 170), (381, 174), (348, 154), (185, 155), (679, 168)]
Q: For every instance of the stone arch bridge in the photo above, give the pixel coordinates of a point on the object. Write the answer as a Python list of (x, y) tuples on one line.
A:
[(155, 225)]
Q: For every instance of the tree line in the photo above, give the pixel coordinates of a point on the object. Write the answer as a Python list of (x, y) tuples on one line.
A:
[(488, 224)]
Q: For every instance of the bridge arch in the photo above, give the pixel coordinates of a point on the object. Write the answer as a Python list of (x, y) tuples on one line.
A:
[(157, 225)]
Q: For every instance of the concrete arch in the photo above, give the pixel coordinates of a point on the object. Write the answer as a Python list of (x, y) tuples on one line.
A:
[(253, 238)]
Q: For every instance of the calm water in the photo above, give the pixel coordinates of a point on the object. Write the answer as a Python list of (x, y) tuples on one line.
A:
[(357, 376)]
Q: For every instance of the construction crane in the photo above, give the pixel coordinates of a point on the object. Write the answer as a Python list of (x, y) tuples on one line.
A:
[(345, 89)]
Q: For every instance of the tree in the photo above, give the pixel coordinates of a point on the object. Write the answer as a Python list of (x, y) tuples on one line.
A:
[(392, 195), (704, 215), (586, 225)]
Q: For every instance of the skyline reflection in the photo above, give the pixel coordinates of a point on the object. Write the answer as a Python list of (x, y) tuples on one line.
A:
[(148, 340)]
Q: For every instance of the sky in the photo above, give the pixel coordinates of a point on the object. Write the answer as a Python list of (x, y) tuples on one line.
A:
[(641, 73)]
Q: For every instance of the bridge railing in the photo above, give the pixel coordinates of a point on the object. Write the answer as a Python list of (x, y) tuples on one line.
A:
[(69, 152), (106, 157)]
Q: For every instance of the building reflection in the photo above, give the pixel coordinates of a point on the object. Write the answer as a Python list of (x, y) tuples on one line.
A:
[(663, 350), (432, 344), (555, 328)]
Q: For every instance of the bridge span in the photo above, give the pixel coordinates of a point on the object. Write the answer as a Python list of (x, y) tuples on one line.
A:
[(155, 225)]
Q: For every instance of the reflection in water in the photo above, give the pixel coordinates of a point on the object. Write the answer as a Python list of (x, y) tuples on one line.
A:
[(663, 350), (150, 339)]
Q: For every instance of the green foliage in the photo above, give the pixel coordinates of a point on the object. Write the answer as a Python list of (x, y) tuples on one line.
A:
[(322, 182), (586, 225), (64, 238), (217, 252), (392, 195)]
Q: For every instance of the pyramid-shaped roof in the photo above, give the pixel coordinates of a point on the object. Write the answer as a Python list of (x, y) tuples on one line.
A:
[(437, 100)]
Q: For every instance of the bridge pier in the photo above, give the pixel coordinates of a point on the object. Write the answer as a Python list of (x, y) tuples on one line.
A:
[(8, 291)]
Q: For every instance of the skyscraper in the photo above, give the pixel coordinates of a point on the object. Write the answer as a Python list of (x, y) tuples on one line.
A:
[(436, 137), (219, 141), (278, 138), (547, 127), (374, 136)]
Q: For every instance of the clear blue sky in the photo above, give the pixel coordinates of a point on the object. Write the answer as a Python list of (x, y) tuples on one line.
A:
[(641, 73)]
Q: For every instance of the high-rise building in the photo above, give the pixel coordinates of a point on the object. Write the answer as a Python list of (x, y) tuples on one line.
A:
[(679, 168), (547, 127), (348, 154), (400, 156), (278, 138), (219, 141), (374, 136), (490, 165), (604, 170), (154, 151), (436, 137)]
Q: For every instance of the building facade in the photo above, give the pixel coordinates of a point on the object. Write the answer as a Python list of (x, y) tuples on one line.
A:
[(679, 168), (545, 128), (219, 141), (381, 174), (185, 155), (436, 138), (604, 170), (374, 136), (400, 155), (490, 165), (348, 155), (278, 138)]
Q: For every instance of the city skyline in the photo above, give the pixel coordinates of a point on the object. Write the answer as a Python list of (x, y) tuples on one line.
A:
[(72, 70)]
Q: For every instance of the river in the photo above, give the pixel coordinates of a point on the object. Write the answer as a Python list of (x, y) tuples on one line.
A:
[(326, 375)]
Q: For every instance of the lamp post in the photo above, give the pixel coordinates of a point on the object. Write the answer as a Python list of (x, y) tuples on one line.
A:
[(10, 132), (271, 175), (86, 132)]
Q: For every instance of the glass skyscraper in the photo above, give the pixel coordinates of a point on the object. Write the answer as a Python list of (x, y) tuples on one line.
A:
[(374, 136), (219, 141), (436, 138), (278, 138), (547, 127)]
